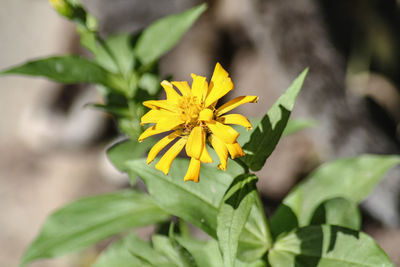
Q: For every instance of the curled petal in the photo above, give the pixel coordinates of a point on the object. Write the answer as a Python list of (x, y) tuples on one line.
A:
[(149, 132), (221, 150), (199, 86), (228, 106), (196, 142), (183, 87), (161, 144), (193, 171), (235, 150), (236, 119), (206, 115), (224, 132), (172, 95), (220, 85), (205, 157), (165, 162)]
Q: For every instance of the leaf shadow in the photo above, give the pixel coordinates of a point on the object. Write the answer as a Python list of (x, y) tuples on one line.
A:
[(265, 137), (335, 230), (284, 220), (245, 184), (310, 247), (312, 243)]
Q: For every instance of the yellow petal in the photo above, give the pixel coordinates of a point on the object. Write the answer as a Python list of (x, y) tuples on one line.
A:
[(154, 115), (149, 132), (172, 95), (199, 86), (160, 104), (221, 150), (219, 73), (183, 87), (228, 106), (165, 162), (205, 157), (193, 171), (169, 123), (206, 115), (224, 132), (196, 142), (161, 144), (235, 150), (236, 119), (220, 85)]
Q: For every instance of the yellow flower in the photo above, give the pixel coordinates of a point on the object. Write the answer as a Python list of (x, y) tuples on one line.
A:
[(193, 118)]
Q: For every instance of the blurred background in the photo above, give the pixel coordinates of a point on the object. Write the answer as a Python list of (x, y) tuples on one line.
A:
[(53, 147)]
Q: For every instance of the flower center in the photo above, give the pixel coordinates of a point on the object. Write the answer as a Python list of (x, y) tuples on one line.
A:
[(190, 108)]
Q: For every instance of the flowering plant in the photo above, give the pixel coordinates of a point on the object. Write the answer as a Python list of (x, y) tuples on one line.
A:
[(317, 224)]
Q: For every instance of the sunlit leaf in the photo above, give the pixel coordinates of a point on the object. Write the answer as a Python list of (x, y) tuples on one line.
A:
[(69, 70), (89, 220), (198, 203), (338, 211), (119, 254), (327, 246), (233, 213), (194, 202), (125, 150)]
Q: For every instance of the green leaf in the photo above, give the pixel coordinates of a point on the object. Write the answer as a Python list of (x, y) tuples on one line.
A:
[(163, 34), (255, 238), (338, 211), (119, 254), (144, 251), (68, 69), (205, 253), (194, 202), (198, 203), (233, 213), (327, 246), (89, 220), (265, 137), (174, 253), (150, 82), (185, 257), (126, 150), (119, 56), (350, 178), (131, 251)]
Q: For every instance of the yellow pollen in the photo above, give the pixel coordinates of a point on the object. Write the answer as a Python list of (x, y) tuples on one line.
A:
[(190, 108)]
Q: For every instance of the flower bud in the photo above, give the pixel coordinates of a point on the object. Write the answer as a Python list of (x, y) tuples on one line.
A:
[(63, 7)]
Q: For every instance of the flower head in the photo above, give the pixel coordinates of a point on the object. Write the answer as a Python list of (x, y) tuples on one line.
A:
[(192, 117)]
